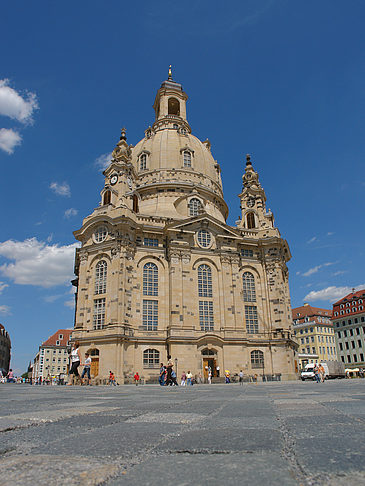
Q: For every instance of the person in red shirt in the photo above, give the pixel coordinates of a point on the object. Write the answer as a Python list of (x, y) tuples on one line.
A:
[(136, 378)]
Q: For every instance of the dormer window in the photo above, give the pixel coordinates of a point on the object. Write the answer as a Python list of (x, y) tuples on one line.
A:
[(60, 337), (143, 162), (183, 131), (195, 206), (187, 158)]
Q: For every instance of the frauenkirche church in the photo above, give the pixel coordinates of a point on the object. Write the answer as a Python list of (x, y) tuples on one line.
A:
[(161, 272)]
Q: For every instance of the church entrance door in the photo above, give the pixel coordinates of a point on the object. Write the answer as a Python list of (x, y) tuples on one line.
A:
[(209, 362), (94, 368)]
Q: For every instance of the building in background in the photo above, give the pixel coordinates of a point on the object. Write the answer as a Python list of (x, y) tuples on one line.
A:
[(161, 272), (314, 332), (52, 357), (5, 350), (348, 318)]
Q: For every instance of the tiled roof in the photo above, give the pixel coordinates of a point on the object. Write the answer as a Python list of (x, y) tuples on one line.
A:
[(349, 297), (51, 341), (2, 327), (308, 311)]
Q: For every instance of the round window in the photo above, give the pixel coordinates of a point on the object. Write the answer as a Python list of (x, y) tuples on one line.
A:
[(100, 234), (204, 238)]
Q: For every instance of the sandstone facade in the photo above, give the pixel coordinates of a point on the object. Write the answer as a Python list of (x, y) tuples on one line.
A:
[(160, 271)]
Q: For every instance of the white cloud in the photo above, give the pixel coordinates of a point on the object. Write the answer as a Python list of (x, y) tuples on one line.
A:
[(330, 233), (316, 268), (61, 189), (70, 303), (70, 212), (13, 105), (312, 240), (52, 298), (4, 309), (340, 272), (103, 161), (3, 286), (36, 263), (331, 293), (9, 139)]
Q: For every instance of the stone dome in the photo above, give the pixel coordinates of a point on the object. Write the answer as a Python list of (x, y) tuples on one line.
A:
[(165, 150)]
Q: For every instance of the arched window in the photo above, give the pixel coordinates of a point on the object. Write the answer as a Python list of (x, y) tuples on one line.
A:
[(174, 107), (151, 358), (206, 314), (251, 221), (187, 158), (135, 203), (195, 206), (107, 197), (143, 162), (249, 290), (257, 359), (100, 277), (150, 279), (205, 281)]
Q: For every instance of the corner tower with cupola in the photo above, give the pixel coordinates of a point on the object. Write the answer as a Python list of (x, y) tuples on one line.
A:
[(160, 271)]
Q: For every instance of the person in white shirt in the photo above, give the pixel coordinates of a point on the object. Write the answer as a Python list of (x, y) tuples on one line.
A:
[(75, 363)]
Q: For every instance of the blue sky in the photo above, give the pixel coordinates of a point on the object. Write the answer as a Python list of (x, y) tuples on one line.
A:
[(282, 80)]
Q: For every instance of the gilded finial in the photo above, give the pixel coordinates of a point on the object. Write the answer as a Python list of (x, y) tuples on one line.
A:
[(170, 73), (123, 135), (248, 159)]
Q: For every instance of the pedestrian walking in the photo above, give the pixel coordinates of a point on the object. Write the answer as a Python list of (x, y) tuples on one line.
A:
[(183, 378), (321, 372), (228, 376), (10, 376), (209, 375), (86, 370), (218, 371), (75, 363), (316, 373), (241, 377), (173, 378), (136, 378), (161, 378), (112, 381), (189, 378), (169, 367)]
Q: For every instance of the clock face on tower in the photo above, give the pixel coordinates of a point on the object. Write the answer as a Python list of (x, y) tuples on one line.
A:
[(114, 179)]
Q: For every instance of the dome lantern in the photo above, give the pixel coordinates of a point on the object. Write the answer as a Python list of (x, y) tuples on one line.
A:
[(170, 101)]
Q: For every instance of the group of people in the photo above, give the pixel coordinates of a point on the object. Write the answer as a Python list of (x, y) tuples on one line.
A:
[(319, 373), (167, 374), (75, 363), (7, 377)]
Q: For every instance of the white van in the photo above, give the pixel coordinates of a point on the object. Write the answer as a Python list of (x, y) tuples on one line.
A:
[(308, 372)]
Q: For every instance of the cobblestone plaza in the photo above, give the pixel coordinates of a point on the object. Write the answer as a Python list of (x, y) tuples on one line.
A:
[(271, 433)]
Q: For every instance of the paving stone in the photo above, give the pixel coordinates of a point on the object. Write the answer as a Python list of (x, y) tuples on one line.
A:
[(271, 433), (59, 470), (255, 469), (224, 439)]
